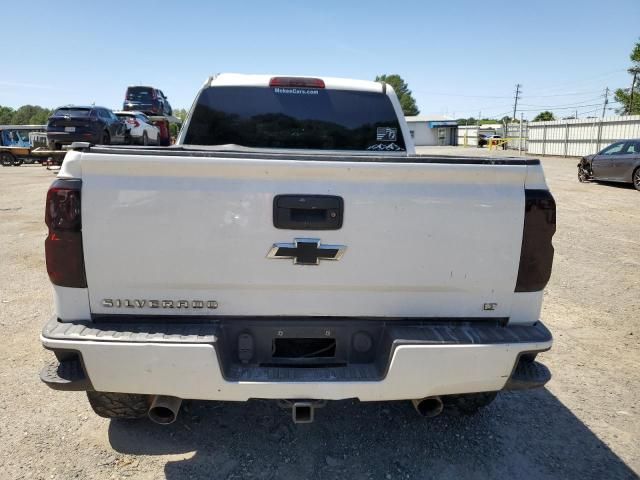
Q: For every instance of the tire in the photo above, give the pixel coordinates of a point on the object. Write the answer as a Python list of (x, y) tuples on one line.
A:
[(7, 159), (17, 162), (635, 178), (119, 405), (145, 139), (467, 404)]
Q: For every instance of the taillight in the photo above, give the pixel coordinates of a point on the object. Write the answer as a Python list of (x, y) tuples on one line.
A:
[(299, 82), (536, 254), (133, 121), (63, 246)]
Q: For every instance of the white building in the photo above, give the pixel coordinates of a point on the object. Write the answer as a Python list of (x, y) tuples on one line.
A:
[(433, 130)]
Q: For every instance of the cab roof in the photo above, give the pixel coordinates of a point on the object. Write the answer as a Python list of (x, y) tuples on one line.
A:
[(82, 107), (262, 80)]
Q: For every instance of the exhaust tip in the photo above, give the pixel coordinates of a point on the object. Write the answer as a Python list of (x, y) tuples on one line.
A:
[(162, 415), (164, 410), (428, 407)]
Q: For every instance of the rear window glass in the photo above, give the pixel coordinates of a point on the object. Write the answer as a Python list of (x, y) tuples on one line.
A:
[(296, 118), (72, 112), (139, 93)]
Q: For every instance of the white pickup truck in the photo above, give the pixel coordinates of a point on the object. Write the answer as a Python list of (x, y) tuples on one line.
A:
[(292, 246)]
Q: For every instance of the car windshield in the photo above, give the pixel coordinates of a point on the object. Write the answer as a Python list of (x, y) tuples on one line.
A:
[(295, 118), (139, 94), (72, 112)]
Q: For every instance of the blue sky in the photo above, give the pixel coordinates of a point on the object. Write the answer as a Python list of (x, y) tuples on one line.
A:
[(458, 57)]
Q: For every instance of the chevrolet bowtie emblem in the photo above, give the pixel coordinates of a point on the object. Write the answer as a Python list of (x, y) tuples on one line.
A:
[(306, 251)]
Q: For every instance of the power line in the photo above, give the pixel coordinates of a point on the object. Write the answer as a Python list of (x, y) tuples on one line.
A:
[(590, 111), (548, 107), (585, 103), (566, 94), (563, 108), (573, 104), (446, 94), (583, 80), (488, 108)]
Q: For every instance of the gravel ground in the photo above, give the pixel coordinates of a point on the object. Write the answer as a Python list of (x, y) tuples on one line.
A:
[(585, 424)]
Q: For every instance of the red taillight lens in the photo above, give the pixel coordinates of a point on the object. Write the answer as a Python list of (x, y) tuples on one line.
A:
[(299, 82), (63, 247), (536, 253), (65, 260), (63, 206)]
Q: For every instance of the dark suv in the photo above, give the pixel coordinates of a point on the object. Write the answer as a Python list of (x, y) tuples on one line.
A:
[(147, 100), (96, 125)]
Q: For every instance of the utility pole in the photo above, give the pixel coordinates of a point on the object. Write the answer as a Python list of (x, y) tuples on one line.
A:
[(520, 141), (606, 101), (517, 97), (633, 86)]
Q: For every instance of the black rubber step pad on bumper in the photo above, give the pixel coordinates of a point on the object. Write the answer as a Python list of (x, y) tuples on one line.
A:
[(67, 375), (528, 374)]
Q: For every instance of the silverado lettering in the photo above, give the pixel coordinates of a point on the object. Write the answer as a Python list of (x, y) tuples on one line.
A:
[(131, 303)]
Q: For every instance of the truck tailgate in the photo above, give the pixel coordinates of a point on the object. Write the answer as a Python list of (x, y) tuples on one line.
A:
[(170, 235)]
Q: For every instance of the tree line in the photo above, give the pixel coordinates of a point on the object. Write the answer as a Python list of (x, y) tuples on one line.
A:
[(25, 115)]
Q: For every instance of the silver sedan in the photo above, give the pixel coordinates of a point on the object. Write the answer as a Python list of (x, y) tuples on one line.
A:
[(619, 162)]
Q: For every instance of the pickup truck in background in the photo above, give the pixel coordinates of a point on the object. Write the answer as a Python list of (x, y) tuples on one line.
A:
[(292, 246)]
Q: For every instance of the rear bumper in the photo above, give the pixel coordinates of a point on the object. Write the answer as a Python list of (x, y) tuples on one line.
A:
[(68, 137), (190, 361), (146, 108)]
